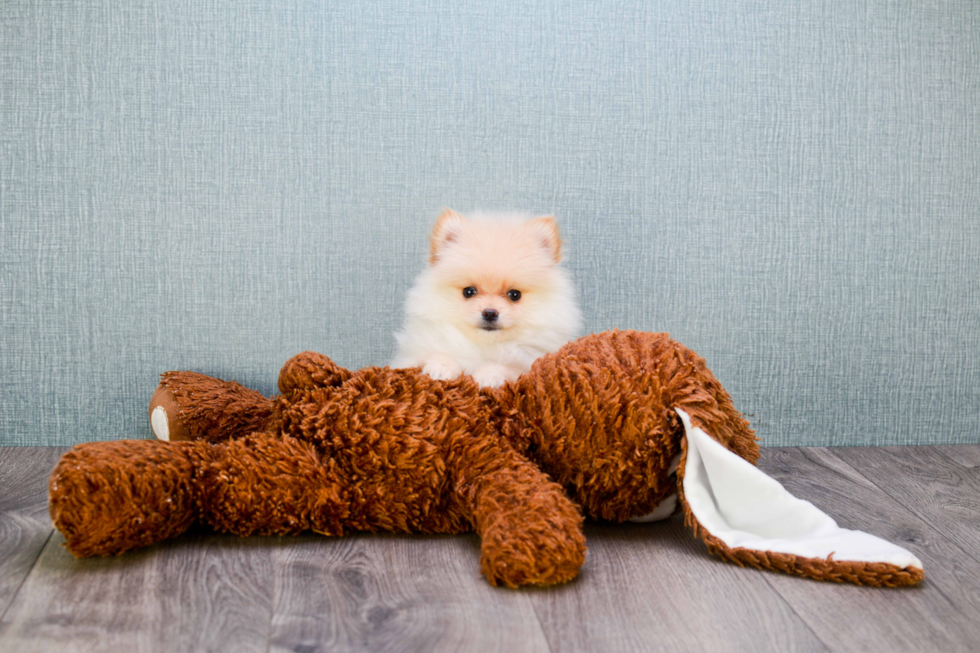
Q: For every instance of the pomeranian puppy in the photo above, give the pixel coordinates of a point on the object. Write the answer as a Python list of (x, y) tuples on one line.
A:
[(492, 299)]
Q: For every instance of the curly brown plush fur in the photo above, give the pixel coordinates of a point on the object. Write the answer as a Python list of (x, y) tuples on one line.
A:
[(591, 427)]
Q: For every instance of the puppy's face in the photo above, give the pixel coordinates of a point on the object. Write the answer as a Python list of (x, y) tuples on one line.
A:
[(494, 278)]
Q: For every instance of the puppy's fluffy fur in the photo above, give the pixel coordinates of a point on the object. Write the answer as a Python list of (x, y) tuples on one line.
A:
[(463, 316)]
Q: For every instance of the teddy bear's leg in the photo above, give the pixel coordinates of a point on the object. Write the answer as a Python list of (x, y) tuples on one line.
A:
[(109, 497), (531, 533), (192, 406), (310, 370), (262, 485)]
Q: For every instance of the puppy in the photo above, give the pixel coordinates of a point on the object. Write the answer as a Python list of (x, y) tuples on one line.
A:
[(491, 301)]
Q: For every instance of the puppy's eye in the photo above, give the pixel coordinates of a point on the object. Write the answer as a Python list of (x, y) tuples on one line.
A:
[(513, 295), (469, 291)]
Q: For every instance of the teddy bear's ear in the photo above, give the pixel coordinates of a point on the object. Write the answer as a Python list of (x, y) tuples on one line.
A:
[(446, 230), (545, 229), (749, 518)]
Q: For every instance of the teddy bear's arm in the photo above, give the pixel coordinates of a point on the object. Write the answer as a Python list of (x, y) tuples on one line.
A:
[(530, 531), (310, 370)]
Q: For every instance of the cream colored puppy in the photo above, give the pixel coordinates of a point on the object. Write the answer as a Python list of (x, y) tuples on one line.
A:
[(492, 299)]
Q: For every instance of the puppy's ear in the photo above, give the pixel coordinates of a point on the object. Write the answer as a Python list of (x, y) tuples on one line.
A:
[(446, 230), (545, 229)]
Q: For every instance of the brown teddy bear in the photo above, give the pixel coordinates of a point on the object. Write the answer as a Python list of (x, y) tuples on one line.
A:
[(618, 426)]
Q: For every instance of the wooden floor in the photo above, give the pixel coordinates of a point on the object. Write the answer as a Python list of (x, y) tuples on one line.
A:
[(644, 587)]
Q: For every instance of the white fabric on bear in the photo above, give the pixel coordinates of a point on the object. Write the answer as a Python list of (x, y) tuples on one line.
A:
[(744, 508), (663, 510), (160, 424)]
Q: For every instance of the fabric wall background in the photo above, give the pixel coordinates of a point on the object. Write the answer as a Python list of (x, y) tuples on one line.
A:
[(790, 188)]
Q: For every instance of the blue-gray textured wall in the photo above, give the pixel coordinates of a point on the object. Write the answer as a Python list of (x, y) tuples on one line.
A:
[(790, 188)]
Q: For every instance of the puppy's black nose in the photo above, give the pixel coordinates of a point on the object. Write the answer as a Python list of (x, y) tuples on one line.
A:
[(490, 315)]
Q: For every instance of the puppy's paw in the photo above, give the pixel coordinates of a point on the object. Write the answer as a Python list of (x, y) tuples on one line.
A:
[(493, 375), (442, 368)]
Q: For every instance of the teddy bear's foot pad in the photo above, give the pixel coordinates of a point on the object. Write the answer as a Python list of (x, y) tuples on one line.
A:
[(163, 414)]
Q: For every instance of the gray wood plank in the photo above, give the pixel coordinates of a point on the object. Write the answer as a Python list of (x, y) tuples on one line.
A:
[(966, 455), (944, 494), (942, 614), (196, 593), (24, 522), (21, 541), (644, 587), (395, 593), (24, 475), (653, 587)]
